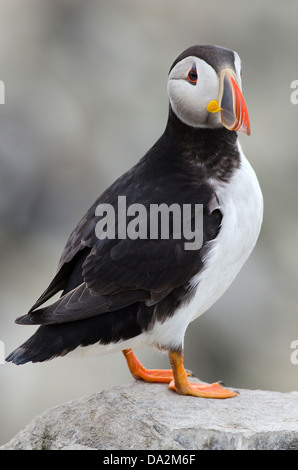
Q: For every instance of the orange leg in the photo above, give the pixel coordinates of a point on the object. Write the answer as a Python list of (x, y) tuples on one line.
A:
[(182, 386), (138, 371)]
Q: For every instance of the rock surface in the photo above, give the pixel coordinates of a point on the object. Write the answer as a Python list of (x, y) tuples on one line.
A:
[(149, 416)]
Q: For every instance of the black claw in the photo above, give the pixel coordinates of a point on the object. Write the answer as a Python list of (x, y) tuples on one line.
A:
[(190, 372), (221, 382)]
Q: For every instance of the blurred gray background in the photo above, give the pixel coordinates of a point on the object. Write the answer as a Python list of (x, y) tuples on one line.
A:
[(85, 99)]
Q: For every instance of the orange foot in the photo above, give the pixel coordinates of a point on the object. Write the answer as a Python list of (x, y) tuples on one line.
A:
[(182, 386), (138, 371)]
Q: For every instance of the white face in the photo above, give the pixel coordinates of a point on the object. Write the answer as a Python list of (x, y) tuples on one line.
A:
[(189, 100)]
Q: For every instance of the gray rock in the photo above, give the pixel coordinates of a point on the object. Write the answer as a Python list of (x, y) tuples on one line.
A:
[(150, 416), (77, 447)]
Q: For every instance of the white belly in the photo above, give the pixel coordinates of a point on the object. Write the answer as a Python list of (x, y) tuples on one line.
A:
[(241, 203)]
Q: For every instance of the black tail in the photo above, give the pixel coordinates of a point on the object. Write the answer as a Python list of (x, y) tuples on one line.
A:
[(50, 341), (45, 344)]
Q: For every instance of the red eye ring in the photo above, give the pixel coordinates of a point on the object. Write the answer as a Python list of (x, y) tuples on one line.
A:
[(192, 76)]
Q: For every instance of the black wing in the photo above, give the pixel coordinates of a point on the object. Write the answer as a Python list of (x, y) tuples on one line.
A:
[(99, 276)]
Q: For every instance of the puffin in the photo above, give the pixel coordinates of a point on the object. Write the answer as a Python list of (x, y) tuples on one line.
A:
[(118, 292)]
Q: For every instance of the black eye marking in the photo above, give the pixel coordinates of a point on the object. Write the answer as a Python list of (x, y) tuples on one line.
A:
[(192, 76)]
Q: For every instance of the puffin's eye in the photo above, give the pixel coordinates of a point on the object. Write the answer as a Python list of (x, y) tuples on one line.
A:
[(192, 76)]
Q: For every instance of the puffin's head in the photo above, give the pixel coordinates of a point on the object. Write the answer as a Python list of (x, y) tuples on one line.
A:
[(204, 89)]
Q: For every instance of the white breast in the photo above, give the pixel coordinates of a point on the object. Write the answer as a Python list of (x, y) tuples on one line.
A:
[(241, 203)]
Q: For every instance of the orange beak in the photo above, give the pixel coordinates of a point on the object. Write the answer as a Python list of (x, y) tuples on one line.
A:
[(230, 103), (234, 114)]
